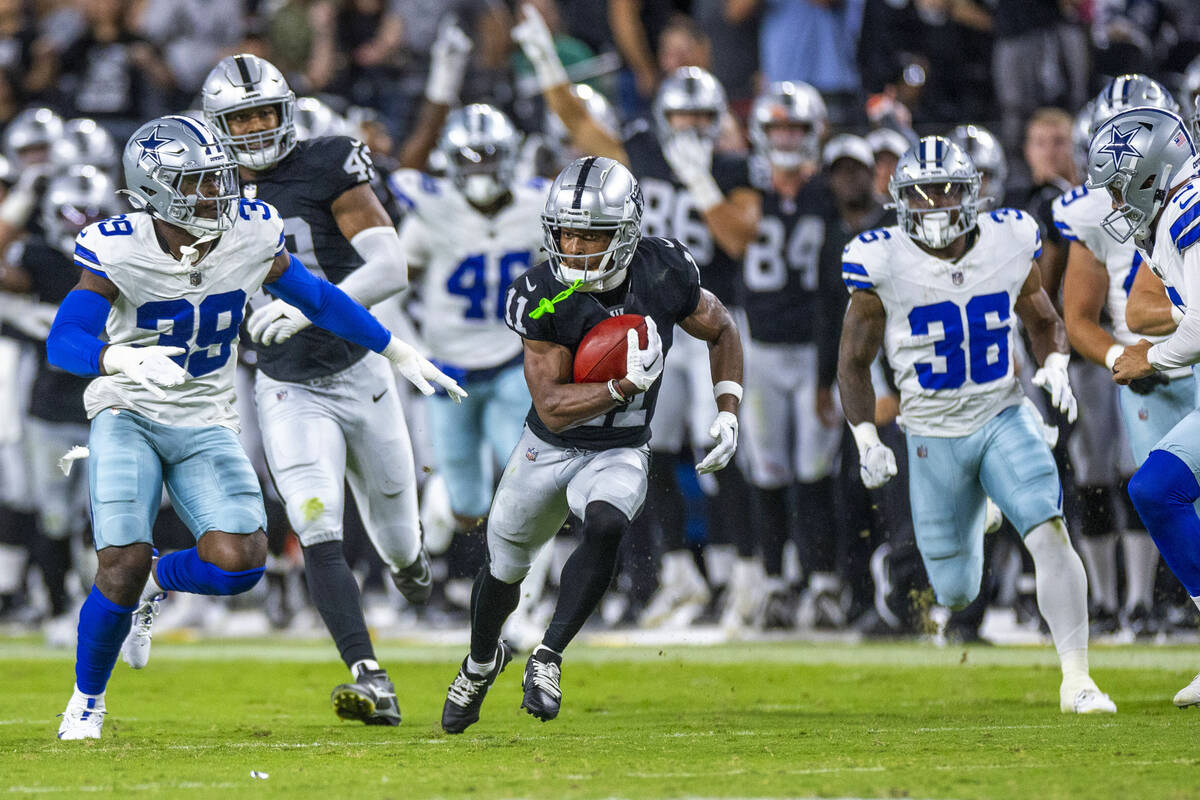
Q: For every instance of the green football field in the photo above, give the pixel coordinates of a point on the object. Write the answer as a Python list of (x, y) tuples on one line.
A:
[(747, 720)]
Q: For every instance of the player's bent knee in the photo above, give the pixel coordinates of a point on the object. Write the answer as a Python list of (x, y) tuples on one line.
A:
[(234, 552), (1163, 480), (604, 520), (122, 572)]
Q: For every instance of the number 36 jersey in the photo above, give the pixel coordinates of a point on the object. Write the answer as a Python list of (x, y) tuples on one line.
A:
[(466, 262), (950, 324), (198, 308)]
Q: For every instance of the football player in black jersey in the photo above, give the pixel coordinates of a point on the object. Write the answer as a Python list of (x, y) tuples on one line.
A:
[(706, 200), (329, 411), (584, 449)]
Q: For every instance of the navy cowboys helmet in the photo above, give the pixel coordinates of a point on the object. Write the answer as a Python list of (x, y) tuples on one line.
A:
[(987, 155), (1190, 89), (692, 90), (75, 198), (1129, 91), (1135, 157), (794, 105), (480, 146), (597, 194), (245, 81), (177, 169), (929, 175)]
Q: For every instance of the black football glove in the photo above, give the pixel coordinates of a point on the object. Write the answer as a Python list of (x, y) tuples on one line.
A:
[(1149, 383)]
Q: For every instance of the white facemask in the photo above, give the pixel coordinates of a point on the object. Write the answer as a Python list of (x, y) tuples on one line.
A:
[(935, 228), (482, 190)]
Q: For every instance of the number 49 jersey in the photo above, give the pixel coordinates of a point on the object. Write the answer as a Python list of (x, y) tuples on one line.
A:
[(950, 325), (198, 308), (467, 261)]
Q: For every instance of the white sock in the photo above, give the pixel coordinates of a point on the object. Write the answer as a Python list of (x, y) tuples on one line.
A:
[(1074, 665), (84, 696), (476, 668), (1061, 587), (152, 582), (365, 664), (1141, 565), (1100, 555)]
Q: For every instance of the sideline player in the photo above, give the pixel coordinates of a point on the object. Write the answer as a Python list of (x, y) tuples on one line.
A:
[(584, 449), (1145, 161), (168, 284), (969, 434), (328, 410)]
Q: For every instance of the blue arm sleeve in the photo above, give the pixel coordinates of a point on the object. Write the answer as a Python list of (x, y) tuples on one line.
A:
[(329, 307), (74, 342)]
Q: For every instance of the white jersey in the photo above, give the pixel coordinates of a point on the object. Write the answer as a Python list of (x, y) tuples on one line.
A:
[(1176, 256), (198, 308), (949, 331), (467, 260)]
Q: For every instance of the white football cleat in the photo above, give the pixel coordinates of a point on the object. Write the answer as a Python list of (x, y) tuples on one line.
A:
[(682, 593), (83, 718), (747, 596), (1189, 695), (135, 650), (1084, 697)]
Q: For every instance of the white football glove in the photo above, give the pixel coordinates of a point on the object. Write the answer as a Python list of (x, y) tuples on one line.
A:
[(876, 461), (724, 432), (152, 366), (447, 63), (642, 367), (276, 322), (418, 370), (1054, 379), (690, 158), (537, 42)]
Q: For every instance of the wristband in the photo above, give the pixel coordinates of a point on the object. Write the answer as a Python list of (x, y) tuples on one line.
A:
[(727, 387), (614, 391), (1110, 358)]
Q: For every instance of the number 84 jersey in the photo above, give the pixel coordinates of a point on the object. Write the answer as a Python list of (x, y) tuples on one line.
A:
[(198, 308), (949, 332)]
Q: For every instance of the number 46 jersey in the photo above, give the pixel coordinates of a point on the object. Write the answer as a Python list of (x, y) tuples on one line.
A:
[(466, 262), (950, 324)]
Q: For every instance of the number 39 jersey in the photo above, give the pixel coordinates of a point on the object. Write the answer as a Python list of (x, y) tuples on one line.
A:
[(949, 330), (198, 308), (466, 262)]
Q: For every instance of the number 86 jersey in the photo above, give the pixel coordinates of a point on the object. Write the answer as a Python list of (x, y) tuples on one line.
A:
[(949, 331), (198, 308)]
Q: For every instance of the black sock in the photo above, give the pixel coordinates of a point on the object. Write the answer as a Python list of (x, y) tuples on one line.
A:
[(53, 557), (771, 520), (467, 553), (817, 539), (334, 592), (492, 601), (587, 573)]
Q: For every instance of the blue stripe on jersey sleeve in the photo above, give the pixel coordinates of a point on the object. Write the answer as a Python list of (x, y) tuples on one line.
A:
[(403, 199), (93, 270), (1133, 271), (1174, 297), (1185, 231), (281, 247), (1065, 231), (856, 284), (83, 253), (857, 269)]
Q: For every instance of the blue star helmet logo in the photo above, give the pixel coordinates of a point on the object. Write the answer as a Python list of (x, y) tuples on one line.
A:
[(150, 145), (1119, 145)]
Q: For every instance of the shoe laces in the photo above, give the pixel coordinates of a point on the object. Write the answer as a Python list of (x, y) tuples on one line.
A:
[(465, 690), (545, 676), (144, 617)]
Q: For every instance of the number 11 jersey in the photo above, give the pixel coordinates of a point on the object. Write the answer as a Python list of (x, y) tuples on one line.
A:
[(950, 324)]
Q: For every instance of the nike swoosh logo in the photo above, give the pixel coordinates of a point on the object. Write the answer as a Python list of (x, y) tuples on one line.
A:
[(375, 397), (530, 286)]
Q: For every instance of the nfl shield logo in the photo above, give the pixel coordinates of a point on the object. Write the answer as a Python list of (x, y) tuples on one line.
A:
[(194, 278), (922, 451), (531, 454), (281, 395), (1143, 414), (957, 277)]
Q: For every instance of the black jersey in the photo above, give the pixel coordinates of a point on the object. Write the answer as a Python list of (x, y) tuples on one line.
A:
[(669, 210), (57, 396), (781, 278), (303, 187), (663, 283)]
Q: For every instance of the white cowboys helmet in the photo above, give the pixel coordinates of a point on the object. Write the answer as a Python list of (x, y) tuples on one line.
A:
[(693, 90), (598, 194), (480, 146), (83, 141), (1129, 91), (75, 198), (177, 169), (1190, 89), (987, 155), (936, 168), (32, 128), (246, 81), (799, 110), (1135, 157)]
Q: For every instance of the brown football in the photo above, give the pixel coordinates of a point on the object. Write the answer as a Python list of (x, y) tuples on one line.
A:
[(600, 357)]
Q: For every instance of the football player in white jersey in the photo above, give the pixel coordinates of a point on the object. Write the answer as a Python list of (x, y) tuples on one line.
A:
[(1099, 276), (168, 285), (466, 236), (1144, 160), (939, 291)]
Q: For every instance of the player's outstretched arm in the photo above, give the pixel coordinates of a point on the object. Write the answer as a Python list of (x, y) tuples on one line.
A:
[(447, 64), (587, 134), (1148, 310), (712, 323), (862, 336), (1048, 335), (1085, 288), (332, 309), (732, 218)]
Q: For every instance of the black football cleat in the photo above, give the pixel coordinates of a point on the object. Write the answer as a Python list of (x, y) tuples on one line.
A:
[(543, 696), (466, 693), (370, 700), (415, 581)]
